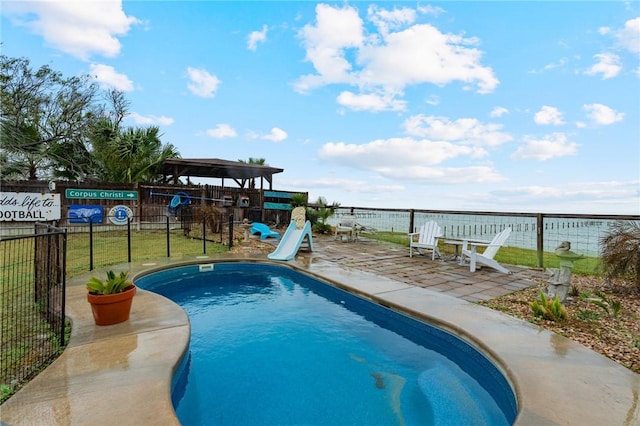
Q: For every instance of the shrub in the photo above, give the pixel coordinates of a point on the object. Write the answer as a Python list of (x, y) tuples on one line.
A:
[(620, 251), (606, 303), (312, 215), (111, 285), (322, 228), (588, 315), (549, 309), (319, 213), (298, 200)]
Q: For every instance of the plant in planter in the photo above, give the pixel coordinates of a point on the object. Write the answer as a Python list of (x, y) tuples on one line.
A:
[(111, 298)]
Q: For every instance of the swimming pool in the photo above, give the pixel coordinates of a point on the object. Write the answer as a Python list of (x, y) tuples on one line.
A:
[(271, 345)]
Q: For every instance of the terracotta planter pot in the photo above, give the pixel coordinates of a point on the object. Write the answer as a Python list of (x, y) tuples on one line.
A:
[(111, 308)]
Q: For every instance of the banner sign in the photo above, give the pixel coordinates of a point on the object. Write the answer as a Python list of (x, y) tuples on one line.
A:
[(29, 206), (82, 213)]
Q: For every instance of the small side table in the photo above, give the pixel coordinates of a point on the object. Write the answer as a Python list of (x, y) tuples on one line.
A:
[(458, 252), (464, 242)]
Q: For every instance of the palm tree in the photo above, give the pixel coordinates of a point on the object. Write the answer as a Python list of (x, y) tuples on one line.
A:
[(323, 210), (130, 155), (255, 161), (621, 250)]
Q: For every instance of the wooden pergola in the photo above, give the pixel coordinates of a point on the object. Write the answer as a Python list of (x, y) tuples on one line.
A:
[(241, 173)]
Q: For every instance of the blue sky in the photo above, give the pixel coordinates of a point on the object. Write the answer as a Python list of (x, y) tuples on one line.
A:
[(492, 106)]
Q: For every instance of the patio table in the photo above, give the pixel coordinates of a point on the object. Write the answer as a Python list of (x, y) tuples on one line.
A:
[(462, 242)]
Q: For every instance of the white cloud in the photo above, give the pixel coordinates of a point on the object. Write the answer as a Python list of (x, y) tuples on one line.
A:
[(589, 191), (550, 146), (445, 175), (255, 37), (150, 120), (499, 112), (335, 31), (561, 63), (370, 102), (108, 78), (401, 53), (392, 153), (222, 131), (567, 197), (431, 10), (79, 28), (348, 185), (465, 130), (602, 115), (276, 135), (548, 115), (629, 36), (202, 83), (409, 159), (608, 65), (422, 54), (386, 20), (433, 100)]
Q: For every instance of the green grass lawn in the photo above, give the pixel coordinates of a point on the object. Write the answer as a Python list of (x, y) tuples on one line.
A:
[(111, 248)]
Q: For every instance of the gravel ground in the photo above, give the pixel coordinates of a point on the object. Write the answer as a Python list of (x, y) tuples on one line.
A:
[(615, 336)]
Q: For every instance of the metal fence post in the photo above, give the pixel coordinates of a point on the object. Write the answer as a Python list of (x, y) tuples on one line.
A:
[(90, 244), (540, 239), (204, 234), (411, 217), (63, 278), (129, 239), (230, 231), (168, 239)]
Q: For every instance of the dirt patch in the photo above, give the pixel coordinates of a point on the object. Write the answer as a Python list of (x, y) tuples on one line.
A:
[(252, 245)]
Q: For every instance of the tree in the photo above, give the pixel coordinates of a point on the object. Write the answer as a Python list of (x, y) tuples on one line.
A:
[(44, 121), (127, 154), (620, 248), (255, 161), (323, 210), (132, 154)]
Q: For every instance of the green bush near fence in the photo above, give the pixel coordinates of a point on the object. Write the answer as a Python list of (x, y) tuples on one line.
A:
[(507, 255)]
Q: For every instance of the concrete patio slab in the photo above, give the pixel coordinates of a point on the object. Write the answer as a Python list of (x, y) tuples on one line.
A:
[(121, 375)]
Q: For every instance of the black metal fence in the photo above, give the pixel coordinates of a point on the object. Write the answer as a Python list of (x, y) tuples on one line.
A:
[(537, 234), (32, 303), (94, 245)]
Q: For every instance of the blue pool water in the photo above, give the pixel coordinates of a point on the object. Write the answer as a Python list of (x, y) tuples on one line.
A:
[(273, 346)]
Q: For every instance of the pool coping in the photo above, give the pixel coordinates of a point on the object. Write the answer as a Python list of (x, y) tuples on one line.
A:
[(122, 374)]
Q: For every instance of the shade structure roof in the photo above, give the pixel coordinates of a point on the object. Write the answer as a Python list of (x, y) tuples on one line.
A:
[(241, 173)]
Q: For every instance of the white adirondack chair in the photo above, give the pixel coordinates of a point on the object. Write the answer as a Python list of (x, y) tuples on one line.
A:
[(486, 257), (427, 239), (347, 226)]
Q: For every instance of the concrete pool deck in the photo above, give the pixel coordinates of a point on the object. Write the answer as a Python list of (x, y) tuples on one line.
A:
[(122, 374)]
